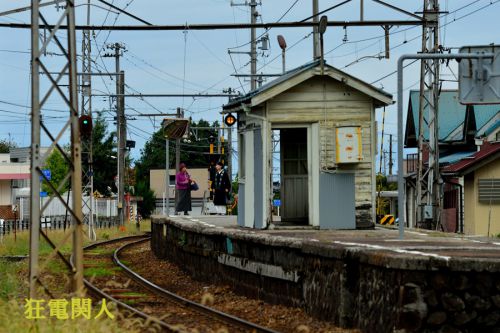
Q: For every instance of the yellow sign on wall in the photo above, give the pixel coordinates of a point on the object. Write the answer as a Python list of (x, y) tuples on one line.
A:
[(348, 144)]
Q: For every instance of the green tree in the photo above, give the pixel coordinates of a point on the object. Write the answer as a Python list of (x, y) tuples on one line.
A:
[(104, 156), (5, 146), (194, 152), (59, 168)]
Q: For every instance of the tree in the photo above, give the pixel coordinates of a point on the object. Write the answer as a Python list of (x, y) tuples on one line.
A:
[(59, 168), (6, 146), (194, 152), (104, 158)]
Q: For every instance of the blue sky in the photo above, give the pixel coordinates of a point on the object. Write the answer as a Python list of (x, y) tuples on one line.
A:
[(155, 61)]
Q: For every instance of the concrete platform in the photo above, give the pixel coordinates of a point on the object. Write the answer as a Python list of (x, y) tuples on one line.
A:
[(367, 279), (440, 247)]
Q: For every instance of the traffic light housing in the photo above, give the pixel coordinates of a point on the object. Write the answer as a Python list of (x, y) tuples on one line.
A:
[(85, 122), (230, 120)]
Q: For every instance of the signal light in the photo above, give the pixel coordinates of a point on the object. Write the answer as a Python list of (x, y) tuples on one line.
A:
[(230, 120), (85, 122)]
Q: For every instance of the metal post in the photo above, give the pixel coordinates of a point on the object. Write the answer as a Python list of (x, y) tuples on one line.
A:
[(230, 152), (316, 46), (427, 180), (177, 153), (167, 177), (283, 59), (37, 159), (86, 109)]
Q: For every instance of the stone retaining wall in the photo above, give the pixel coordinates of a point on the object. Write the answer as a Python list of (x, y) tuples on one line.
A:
[(353, 289)]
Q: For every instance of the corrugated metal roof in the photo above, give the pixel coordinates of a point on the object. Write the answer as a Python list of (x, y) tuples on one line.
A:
[(450, 112), (461, 167), (289, 74), (455, 157), (484, 113)]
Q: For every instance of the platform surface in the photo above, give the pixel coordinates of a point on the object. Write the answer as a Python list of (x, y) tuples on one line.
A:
[(417, 244)]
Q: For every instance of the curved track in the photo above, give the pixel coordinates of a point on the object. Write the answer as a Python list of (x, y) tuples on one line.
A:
[(177, 314)]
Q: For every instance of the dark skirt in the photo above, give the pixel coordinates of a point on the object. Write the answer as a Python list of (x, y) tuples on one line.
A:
[(220, 197), (183, 201)]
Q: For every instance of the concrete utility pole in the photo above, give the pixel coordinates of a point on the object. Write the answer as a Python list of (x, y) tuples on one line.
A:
[(253, 45), (120, 127), (428, 179), (122, 140), (390, 155), (86, 109), (316, 46)]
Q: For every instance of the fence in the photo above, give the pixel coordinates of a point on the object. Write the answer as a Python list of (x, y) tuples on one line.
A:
[(56, 217)]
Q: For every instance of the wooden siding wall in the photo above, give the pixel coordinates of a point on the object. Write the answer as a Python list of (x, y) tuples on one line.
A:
[(343, 106)]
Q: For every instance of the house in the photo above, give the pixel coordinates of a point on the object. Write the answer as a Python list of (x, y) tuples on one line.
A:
[(460, 128), (13, 176), (480, 175), (313, 130)]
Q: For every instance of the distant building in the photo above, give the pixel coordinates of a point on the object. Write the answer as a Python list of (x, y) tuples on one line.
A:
[(478, 175), (461, 128)]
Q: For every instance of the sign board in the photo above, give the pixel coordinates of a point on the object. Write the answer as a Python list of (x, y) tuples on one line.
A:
[(47, 175), (43, 194), (348, 146), (276, 202), (479, 79)]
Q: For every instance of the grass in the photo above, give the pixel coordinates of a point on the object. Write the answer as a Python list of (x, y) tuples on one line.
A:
[(13, 319), (14, 287), (10, 286), (100, 271), (20, 245)]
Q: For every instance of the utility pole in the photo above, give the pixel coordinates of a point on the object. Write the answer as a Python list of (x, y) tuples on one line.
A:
[(122, 140), (390, 155), (253, 45), (121, 127), (86, 109), (179, 114), (428, 180), (316, 46), (39, 62)]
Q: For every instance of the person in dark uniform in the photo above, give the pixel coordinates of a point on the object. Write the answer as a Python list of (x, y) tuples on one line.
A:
[(220, 187)]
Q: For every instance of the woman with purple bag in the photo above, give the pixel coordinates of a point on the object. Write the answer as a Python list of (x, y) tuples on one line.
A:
[(183, 184)]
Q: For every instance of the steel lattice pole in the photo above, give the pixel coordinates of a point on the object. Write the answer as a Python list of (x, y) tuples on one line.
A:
[(428, 178), (39, 68)]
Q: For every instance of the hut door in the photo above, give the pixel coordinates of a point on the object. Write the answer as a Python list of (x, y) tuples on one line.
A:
[(294, 175)]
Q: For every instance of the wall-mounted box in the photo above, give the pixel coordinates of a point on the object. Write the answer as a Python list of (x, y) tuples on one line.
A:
[(348, 144)]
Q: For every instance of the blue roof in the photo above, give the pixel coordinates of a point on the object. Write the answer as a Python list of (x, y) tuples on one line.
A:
[(451, 113), (484, 113), (455, 157)]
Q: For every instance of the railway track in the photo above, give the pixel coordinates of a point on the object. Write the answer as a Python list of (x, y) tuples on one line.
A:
[(117, 283)]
